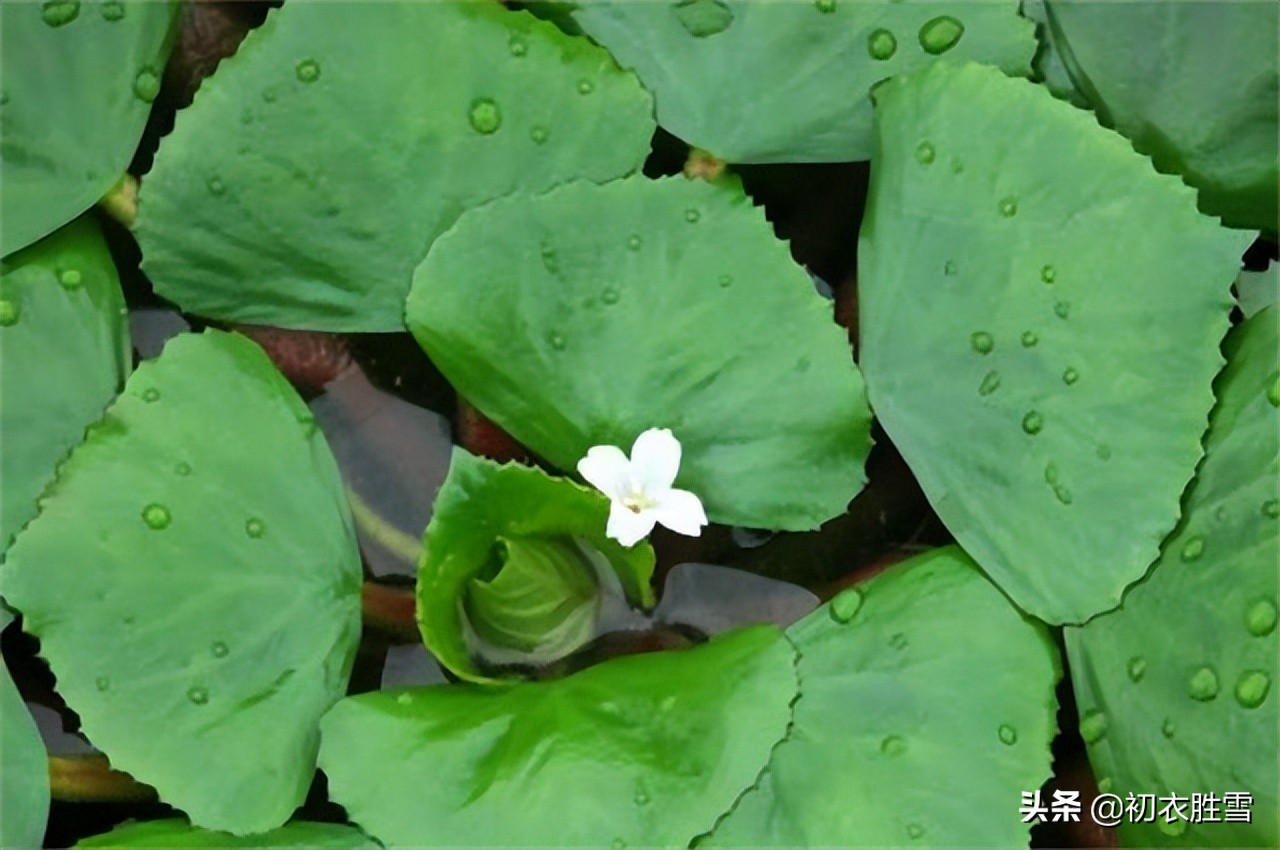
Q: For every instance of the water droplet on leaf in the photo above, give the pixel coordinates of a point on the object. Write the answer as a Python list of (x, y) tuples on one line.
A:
[(102, 683), (1062, 309), (70, 278), (58, 13), (949, 268), (1029, 339), (898, 641), (915, 830), (990, 383), (691, 215), (1093, 726), (307, 71), (826, 7), (517, 46), (254, 527), (893, 745), (182, 468), (1008, 735), (112, 10), (703, 18), (982, 342), (150, 395), (940, 34), (216, 186), (609, 296), (1070, 376), (725, 281), (1008, 207), (1032, 422), (881, 45), (1172, 828), (485, 116), (1252, 688), (404, 699), (1271, 508), (556, 340), (634, 242), (1260, 617), (219, 649), (8, 313), (1048, 274), (1137, 668), (846, 605), (538, 134), (925, 153), (156, 516), (586, 87), (198, 695), (1167, 728), (1193, 548), (1203, 685), (146, 86)]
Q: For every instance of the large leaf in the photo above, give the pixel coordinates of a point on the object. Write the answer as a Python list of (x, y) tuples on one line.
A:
[(194, 582), (642, 751), (486, 512), (754, 81), (903, 734), (319, 163), (24, 771), (79, 78), (1177, 687), (64, 352), (178, 833), (592, 313), (1194, 84), (1046, 376)]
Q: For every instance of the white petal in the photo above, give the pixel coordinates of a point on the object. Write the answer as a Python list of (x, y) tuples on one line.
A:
[(628, 527), (680, 511), (607, 469), (655, 459)]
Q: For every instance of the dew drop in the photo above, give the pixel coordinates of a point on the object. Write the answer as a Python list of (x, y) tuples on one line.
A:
[(216, 186), (1273, 392), (1167, 728), (1029, 339), (1062, 309), (556, 340), (1104, 452), (254, 527), (156, 516), (150, 395), (58, 13), (404, 699), (307, 71), (703, 18), (915, 830), (691, 215), (1193, 548), (182, 468), (881, 45), (1260, 617), (826, 7), (1032, 422), (102, 683), (1093, 726), (198, 695), (1048, 274), (586, 86), (634, 242), (642, 797), (1062, 494), (925, 153), (957, 166), (1051, 473), (146, 85), (1136, 668), (898, 641), (1203, 685), (725, 281), (845, 605), (1172, 828), (1252, 688), (893, 745), (618, 844), (1008, 207), (940, 34), (609, 296), (112, 10), (982, 342), (538, 134), (219, 649), (949, 268), (1105, 784), (1271, 508), (1070, 375), (8, 313), (1008, 735), (70, 278), (990, 383), (517, 46), (485, 116)]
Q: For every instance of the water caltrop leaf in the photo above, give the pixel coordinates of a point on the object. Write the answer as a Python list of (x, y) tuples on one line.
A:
[(24, 771), (592, 313), (175, 832), (318, 164), (1194, 84), (904, 736), (486, 513), (79, 79), (641, 751), (1176, 688), (788, 82), (1046, 377), (64, 353), (201, 535)]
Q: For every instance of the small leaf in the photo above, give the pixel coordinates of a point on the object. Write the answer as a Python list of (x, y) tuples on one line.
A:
[(641, 751), (194, 572), (1046, 376), (319, 163), (903, 735), (76, 95), (489, 515), (64, 353), (24, 771), (174, 833), (659, 304), (1184, 672)]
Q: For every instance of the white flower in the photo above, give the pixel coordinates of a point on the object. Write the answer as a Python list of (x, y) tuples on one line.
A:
[(639, 487)]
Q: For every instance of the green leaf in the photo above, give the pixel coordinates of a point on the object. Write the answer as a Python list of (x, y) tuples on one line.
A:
[(79, 78), (64, 353), (1194, 84), (484, 506), (178, 833), (1046, 375), (906, 733), (24, 771), (543, 589), (194, 582), (660, 304), (644, 750), (320, 162), (787, 82), (1176, 688)]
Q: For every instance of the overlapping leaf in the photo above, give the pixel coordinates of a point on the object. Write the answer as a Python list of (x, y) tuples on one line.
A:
[(24, 772), (319, 163), (1177, 688), (194, 582), (174, 833), (1046, 376)]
